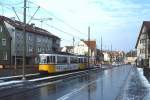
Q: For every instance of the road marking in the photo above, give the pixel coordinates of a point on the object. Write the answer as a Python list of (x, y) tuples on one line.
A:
[(48, 83), (49, 77), (75, 91)]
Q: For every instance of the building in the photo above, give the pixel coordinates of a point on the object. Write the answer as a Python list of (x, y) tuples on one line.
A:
[(82, 48), (113, 56), (143, 45), (106, 56), (99, 56), (11, 41), (68, 49), (131, 57), (130, 60), (117, 56)]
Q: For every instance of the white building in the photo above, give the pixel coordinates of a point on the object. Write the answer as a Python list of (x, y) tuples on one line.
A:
[(143, 45), (82, 48), (130, 60), (106, 56), (68, 49)]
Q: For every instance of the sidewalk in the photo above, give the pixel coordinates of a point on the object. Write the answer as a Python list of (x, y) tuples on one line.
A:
[(137, 87)]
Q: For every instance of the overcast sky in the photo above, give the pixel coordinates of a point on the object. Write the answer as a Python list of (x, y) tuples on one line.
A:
[(117, 21)]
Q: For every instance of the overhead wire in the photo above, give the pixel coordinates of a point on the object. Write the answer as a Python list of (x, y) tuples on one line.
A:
[(67, 33), (60, 20), (60, 30)]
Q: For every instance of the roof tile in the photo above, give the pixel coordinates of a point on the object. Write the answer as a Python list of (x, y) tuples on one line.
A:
[(29, 28)]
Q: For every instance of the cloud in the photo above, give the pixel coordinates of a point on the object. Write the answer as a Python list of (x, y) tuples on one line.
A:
[(113, 19)]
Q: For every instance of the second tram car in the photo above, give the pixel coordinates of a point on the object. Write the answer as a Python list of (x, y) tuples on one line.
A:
[(59, 62)]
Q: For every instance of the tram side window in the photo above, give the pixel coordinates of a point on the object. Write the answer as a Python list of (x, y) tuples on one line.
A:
[(53, 59), (80, 60), (73, 60), (85, 60), (61, 59), (50, 59)]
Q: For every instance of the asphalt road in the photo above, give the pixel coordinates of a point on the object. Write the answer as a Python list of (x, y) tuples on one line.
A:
[(110, 84)]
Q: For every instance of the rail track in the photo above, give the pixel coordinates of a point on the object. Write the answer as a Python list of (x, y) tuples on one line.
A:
[(34, 81)]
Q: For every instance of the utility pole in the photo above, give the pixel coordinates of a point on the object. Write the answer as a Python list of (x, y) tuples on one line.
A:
[(73, 44), (73, 41), (111, 53), (101, 44), (111, 47), (102, 57), (24, 41), (88, 47), (89, 91)]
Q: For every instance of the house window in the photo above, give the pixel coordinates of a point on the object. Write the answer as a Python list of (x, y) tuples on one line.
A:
[(38, 39), (142, 51), (5, 56), (39, 49), (142, 41), (29, 37), (30, 49), (3, 42), (1, 28)]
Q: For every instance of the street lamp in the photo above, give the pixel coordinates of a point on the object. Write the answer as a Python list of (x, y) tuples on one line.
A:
[(42, 20)]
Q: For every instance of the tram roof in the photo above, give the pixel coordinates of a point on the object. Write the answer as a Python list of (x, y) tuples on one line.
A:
[(60, 53), (63, 53)]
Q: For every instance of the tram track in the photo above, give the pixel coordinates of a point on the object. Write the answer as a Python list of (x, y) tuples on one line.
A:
[(37, 75), (39, 82), (44, 78)]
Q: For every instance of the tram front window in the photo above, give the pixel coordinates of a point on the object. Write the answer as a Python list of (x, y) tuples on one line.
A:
[(43, 60)]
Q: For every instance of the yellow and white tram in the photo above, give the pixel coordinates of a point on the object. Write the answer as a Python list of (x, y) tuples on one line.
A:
[(60, 62)]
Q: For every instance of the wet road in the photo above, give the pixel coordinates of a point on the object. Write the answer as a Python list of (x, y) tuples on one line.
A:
[(110, 84)]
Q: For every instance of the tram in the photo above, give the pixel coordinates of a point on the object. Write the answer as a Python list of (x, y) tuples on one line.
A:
[(60, 62)]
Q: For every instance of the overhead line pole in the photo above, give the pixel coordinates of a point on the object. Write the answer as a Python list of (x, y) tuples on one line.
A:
[(111, 47), (73, 44), (89, 91), (24, 41), (101, 51), (88, 47), (111, 52), (101, 44), (16, 13)]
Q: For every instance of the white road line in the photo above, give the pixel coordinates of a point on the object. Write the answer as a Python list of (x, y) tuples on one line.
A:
[(75, 91), (44, 78), (48, 83)]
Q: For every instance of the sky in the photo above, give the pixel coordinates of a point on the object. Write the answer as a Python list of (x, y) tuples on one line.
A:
[(118, 22)]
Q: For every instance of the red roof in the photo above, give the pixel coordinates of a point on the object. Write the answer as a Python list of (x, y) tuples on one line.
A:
[(91, 44), (29, 28)]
